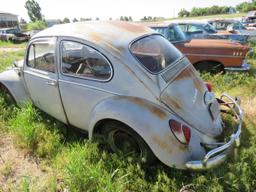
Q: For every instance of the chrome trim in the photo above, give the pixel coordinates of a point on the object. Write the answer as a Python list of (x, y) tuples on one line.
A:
[(218, 155), (209, 55), (244, 67)]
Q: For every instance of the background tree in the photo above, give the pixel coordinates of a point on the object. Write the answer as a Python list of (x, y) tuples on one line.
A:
[(74, 20), (126, 18), (23, 21), (59, 21), (183, 13), (130, 18), (66, 20), (97, 19), (34, 10), (246, 6), (145, 18)]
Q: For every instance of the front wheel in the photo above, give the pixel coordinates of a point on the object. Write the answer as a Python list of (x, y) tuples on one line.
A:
[(122, 139), (8, 98)]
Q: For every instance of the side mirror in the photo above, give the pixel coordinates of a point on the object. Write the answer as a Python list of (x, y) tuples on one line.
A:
[(15, 63)]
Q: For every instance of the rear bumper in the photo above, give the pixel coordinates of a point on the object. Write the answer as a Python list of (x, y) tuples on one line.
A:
[(218, 155)]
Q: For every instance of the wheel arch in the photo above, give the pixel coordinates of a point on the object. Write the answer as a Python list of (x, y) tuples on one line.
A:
[(210, 61), (13, 83), (153, 129)]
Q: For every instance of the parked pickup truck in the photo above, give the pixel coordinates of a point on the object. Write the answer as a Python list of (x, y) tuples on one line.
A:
[(13, 34), (207, 54)]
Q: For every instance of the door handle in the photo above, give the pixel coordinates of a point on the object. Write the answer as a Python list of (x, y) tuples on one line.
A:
[(52, 83)]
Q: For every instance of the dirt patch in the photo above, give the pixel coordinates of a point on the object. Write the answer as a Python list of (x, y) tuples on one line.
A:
[(16, 165)]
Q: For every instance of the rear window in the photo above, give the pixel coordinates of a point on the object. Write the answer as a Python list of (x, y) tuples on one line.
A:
[(155, 53)]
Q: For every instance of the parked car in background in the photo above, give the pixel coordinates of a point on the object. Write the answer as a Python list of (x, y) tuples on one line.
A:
[(249, 21), (13, 34), (132, 86), (204, 30), (234, 27), (206, 54)]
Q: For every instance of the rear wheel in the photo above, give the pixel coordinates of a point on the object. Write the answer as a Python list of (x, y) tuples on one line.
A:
[(122, 139), (210, 67)]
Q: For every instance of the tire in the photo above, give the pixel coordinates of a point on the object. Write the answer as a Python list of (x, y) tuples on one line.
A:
[(210, 67), (121, 139)]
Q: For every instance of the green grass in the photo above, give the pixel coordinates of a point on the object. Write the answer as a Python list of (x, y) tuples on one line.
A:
[(8, 44), (224, 16), (78, 164), (7, 58)]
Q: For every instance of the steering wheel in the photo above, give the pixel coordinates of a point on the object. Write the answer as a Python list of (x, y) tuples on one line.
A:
[(45, 58)]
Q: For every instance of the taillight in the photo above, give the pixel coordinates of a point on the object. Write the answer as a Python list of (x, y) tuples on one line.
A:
[(209, 86), (180, 131)]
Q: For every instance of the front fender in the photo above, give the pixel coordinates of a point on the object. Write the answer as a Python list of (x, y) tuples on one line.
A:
[(150, 121), (14, 83)]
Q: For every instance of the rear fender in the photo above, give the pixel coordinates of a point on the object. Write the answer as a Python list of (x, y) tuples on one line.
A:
[(148, 120)]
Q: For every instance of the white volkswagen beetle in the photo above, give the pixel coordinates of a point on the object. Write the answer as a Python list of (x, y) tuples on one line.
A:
[(129, 84)]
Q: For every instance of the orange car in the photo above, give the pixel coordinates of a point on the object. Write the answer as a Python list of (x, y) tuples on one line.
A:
[(207, 54)]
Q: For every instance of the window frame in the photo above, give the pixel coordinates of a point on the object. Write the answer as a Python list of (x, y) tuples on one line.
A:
[(81, 77), (42, 40), (141, 64)]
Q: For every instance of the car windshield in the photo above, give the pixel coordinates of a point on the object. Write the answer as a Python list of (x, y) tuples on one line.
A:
[(238, 25), (224, 25), (209, 28), (155, 53), (172, 33)]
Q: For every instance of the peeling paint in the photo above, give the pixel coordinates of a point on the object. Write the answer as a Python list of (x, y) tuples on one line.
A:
[(154, 110)]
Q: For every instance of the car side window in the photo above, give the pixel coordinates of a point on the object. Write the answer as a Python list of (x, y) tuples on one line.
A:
[(85, 62), (194, 29), (41, 55), (183, 27)]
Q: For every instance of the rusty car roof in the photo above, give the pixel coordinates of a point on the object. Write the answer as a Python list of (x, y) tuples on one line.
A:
[(108, 34)]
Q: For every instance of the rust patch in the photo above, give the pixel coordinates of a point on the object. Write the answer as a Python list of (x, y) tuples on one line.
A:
[(169, 144), (154, 110), (191, 73), (162, 144), (111, 47), (96, 37), (175, 103), (131, 27), (184, 74)]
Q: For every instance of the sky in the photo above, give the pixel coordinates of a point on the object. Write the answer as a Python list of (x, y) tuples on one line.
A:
[(104, 9)]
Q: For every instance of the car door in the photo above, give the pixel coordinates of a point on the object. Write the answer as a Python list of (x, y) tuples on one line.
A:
[(41, 78), (85, 74)]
